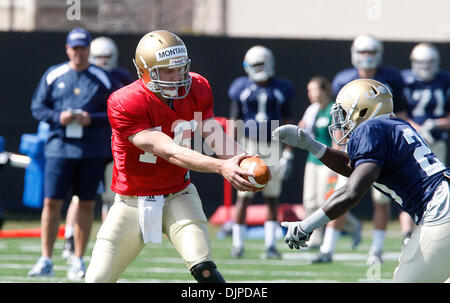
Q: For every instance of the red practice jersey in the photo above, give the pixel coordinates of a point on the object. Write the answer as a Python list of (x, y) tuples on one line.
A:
[(134, 108)]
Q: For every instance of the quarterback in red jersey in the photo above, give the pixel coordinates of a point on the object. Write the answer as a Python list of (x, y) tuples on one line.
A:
[(152, 122)]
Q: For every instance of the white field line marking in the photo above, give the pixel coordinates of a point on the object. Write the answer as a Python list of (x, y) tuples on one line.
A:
[(239, 272)]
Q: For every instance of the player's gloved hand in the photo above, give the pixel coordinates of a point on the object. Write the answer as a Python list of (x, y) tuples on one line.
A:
[(285, 165), (297, 137), (426, 128), (295, 236)]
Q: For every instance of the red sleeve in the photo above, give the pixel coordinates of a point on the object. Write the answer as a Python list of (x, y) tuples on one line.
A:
[(127, 118), (203, 95)]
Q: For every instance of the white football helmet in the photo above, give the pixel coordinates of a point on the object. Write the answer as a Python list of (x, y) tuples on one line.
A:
[(425, 60), (163, 49), (259, 63), (356, 102), (104, 53), (367, 52)]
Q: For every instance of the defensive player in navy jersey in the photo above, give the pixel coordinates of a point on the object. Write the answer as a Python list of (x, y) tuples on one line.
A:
[(104, 54), (390, 154), (366, 58), (256, 100), (71, 98), (427, 91)]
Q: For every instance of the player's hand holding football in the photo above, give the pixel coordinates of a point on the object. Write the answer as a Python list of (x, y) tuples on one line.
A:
[(297, 137), (232, 172), (295, 236)]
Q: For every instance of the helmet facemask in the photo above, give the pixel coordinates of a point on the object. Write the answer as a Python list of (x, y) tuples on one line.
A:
[(425, 70), (340, 127), (259, 72), (169, 89)]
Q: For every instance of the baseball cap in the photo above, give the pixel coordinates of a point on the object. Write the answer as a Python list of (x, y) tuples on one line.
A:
[(78, 37)]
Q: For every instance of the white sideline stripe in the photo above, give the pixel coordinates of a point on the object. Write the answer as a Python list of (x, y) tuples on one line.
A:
[(387, 256), (238, 272), (167, 245), (289, 259), (229, 272), (30, 266), (37, 247), (18, 257), (35, 258), (15, 279)]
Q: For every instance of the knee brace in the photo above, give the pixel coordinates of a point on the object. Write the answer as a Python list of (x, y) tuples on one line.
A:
[(206, 272)]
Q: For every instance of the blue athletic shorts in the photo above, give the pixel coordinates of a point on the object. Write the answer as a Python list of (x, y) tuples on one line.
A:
[(82, 175)]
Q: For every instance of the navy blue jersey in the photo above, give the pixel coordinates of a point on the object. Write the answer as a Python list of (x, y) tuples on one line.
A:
[(120, 77), (261, 104), (62, 88), (387, 75), (428, 100), (410, 172)]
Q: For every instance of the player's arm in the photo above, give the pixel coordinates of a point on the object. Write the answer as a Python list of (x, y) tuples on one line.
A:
[(222, 144), (346, 197), (341, 201), (158, 143), (337, 160), (443, 123)]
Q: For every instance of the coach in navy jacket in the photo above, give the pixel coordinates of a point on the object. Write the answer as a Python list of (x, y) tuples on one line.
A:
[(71, 98)]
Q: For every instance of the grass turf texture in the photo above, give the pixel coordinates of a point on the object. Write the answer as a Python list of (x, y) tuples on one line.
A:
[(160, 263)]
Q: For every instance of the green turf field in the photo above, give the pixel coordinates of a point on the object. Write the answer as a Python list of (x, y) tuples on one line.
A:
[(161, 263)]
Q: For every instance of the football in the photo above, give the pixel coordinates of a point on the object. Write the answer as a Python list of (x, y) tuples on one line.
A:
[(256, 166)]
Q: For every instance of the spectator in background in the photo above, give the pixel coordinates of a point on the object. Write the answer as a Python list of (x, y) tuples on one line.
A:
[(366, 58), (427, 90), (105, 54), (71, 98), (316, 181), (258, 99)]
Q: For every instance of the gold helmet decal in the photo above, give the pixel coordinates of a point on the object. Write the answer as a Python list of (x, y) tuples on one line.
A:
[(158, 50), (356, 102)]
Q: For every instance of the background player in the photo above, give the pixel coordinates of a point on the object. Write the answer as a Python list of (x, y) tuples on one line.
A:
[(258, 99), (427, 90), (152, 122), (390, 154), (317, 181)]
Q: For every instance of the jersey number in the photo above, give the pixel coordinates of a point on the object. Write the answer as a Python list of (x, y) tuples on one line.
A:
[(429, 163), (182, 137), (425, 96)]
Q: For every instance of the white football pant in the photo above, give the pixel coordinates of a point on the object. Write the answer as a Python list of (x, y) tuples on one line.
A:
[(119, 240)]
